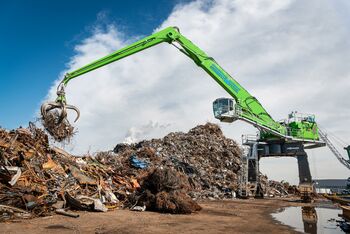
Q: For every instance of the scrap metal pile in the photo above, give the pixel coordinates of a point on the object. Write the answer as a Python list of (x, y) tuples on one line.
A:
[(272, 188), (209, 159), (37, 179)]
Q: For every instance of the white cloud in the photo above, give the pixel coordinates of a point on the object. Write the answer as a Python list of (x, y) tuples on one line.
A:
[(134, 134), (291, 55)]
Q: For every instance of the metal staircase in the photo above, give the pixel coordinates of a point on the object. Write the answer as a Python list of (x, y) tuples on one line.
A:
[(334, 150), (243, 175), (249, 173)]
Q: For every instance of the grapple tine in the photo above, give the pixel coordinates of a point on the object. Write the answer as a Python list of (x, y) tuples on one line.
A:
[(49, 106), (60, 104), (43, 109), (75, 109), (63, 113)]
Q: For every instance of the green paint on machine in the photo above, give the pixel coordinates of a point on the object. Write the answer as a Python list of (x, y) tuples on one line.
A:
[(250, 109)]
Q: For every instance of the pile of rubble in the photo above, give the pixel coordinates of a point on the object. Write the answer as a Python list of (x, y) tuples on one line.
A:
[(209, 159), (37, 179), (161, 174), (164, 191), (272, 188)]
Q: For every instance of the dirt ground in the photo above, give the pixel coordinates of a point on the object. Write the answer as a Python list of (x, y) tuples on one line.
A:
[(237, 216)]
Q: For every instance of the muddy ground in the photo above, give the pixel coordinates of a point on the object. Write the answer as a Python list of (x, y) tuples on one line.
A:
[(235, 216)]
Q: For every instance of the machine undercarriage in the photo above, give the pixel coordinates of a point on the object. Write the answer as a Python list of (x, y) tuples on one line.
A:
[(249, 176), (267, 144)]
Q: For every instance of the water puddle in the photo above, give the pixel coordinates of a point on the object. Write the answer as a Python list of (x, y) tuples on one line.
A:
[(310, 219)]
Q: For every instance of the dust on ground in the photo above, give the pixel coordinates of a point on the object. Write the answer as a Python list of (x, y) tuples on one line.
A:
[(234, 216)]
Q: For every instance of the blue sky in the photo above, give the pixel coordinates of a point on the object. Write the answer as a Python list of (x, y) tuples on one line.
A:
[(38, 38), (291, 55)]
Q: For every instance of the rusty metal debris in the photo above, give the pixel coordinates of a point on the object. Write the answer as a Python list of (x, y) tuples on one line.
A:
[(202, 163), (164, 175), (10, 174), (65, 213), (209, 160), (59, 129), (165, 190), (10, 212), (272, 188)]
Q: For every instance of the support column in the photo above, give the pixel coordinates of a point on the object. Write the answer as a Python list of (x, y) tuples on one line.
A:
[(304, 169), (305, 180)]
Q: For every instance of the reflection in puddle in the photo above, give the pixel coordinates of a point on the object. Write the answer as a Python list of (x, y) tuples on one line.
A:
[(310, 219)]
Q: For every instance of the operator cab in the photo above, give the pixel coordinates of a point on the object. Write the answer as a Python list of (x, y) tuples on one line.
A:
[(224, 110), (348, 150)]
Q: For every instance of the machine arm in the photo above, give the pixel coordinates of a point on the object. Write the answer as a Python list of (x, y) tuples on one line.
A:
[(152, 40), (247, 107)]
